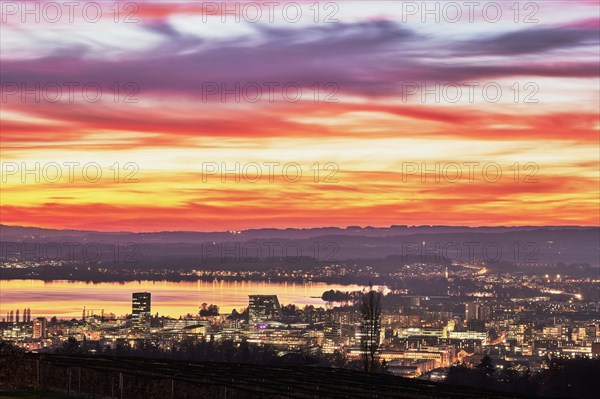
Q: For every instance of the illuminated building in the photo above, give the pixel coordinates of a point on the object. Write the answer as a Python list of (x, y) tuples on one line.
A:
[(410, 368), (140, 311), (331, 337), (39, 328), (443, 356), (264, 308), (280, 336), (469, 335), (477, 311)]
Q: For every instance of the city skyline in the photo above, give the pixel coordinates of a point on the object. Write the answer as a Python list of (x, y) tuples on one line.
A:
[(421, 317)]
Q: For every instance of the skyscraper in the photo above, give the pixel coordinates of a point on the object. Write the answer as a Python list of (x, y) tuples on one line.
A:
[(477, 311), (140, 311), (263, 308), (331, 337), (39, 328), (471, 310), (368, 333)]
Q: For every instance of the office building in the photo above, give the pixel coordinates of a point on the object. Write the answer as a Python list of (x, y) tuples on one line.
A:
[(264, 308), (39, 328), (477, 311), (140, 311), (332, 337)]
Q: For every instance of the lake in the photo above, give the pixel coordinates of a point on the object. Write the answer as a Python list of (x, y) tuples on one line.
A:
[(67, 298)]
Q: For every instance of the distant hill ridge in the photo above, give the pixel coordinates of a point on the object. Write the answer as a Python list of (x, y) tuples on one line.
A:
[(534, 244)]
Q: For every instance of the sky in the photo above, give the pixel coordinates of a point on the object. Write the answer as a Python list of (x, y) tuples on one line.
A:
[(206, 116)]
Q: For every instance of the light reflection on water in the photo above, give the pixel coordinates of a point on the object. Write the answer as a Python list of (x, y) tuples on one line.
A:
[(63, 298)]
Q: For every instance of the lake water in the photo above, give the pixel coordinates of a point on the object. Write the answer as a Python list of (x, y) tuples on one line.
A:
[(67, 298)]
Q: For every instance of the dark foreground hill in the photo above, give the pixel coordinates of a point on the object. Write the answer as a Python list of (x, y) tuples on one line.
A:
[(118, 377)]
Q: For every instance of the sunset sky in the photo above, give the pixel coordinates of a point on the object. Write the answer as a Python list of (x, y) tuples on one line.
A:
[(369, 128)]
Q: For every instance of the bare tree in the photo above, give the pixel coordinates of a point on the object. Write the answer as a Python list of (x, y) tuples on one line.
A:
[(370, 328)]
